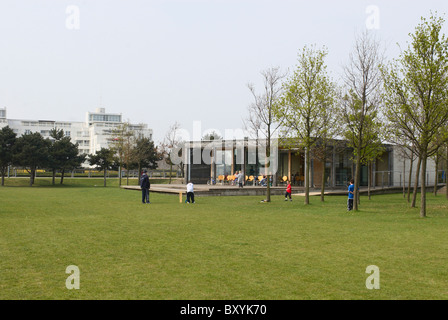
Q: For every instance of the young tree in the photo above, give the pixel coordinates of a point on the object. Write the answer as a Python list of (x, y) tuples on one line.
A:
[(307, 93), (104, 160), (361, 102), (32, 151), (55, 151), (362, 134), (123, 143), (261, 119), (7, 141), (145, 154), (323, 149), (170, 144), (398, 135), (416, 91), (63, 154)]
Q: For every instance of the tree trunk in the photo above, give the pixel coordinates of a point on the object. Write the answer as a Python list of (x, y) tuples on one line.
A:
[(410, 177), (369, 178), (105, 171), (404, 175), (62, 176), (119, 175), (417, 174), (356, 191), (436, 176), (32, 174), (322, 188), (446, 171), (268, 176), (307, 175), (3, 176), (423, 188), (53, 177), (139, 173), (127, 174)]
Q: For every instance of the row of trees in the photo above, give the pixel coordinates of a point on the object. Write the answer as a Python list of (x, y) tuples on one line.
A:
[(404, 101), (32, 151), (128, 149)]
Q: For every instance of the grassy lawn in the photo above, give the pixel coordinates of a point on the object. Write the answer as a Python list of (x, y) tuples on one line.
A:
[(218, 248)]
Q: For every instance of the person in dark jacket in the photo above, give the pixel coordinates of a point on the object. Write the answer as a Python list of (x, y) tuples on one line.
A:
[(145, 185)]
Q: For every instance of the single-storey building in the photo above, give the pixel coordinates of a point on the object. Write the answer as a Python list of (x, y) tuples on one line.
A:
[(217, 161)]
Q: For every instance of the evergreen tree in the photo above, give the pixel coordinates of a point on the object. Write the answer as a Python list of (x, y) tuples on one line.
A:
[(104, 160), (31, 151), (7, 141)]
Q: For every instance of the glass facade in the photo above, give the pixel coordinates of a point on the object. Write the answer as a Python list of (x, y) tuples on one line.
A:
[(223, 162), (343, 167), (94, 117), (335, 172)]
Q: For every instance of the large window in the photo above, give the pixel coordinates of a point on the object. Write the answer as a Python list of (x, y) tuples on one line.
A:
[(223, 162), (343, 167), (104, 118)]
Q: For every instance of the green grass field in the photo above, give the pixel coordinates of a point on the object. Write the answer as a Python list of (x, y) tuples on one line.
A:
[(218, 248)]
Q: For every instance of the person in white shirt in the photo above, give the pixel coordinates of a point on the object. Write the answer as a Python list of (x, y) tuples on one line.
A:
[(190, 192)]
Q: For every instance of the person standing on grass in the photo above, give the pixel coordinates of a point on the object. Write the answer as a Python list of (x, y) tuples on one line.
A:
[(288, 191), (240, 179), (145, 185), (190, 192), (351, 194)]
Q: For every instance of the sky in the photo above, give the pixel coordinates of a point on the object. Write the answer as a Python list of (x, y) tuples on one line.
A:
[(160, 62)]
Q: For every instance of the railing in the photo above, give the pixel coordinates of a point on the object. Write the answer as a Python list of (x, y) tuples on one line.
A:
[(392, 178), (398, 178)]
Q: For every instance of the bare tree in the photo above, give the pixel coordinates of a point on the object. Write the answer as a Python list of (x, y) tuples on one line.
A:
[(170, 143), (123, 142), (363, 85), (261, 121)]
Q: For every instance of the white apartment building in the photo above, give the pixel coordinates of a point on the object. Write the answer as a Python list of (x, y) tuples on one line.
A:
[(92, 135)]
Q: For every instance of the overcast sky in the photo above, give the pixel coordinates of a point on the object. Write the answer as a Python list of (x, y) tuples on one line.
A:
[(158, 62)]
